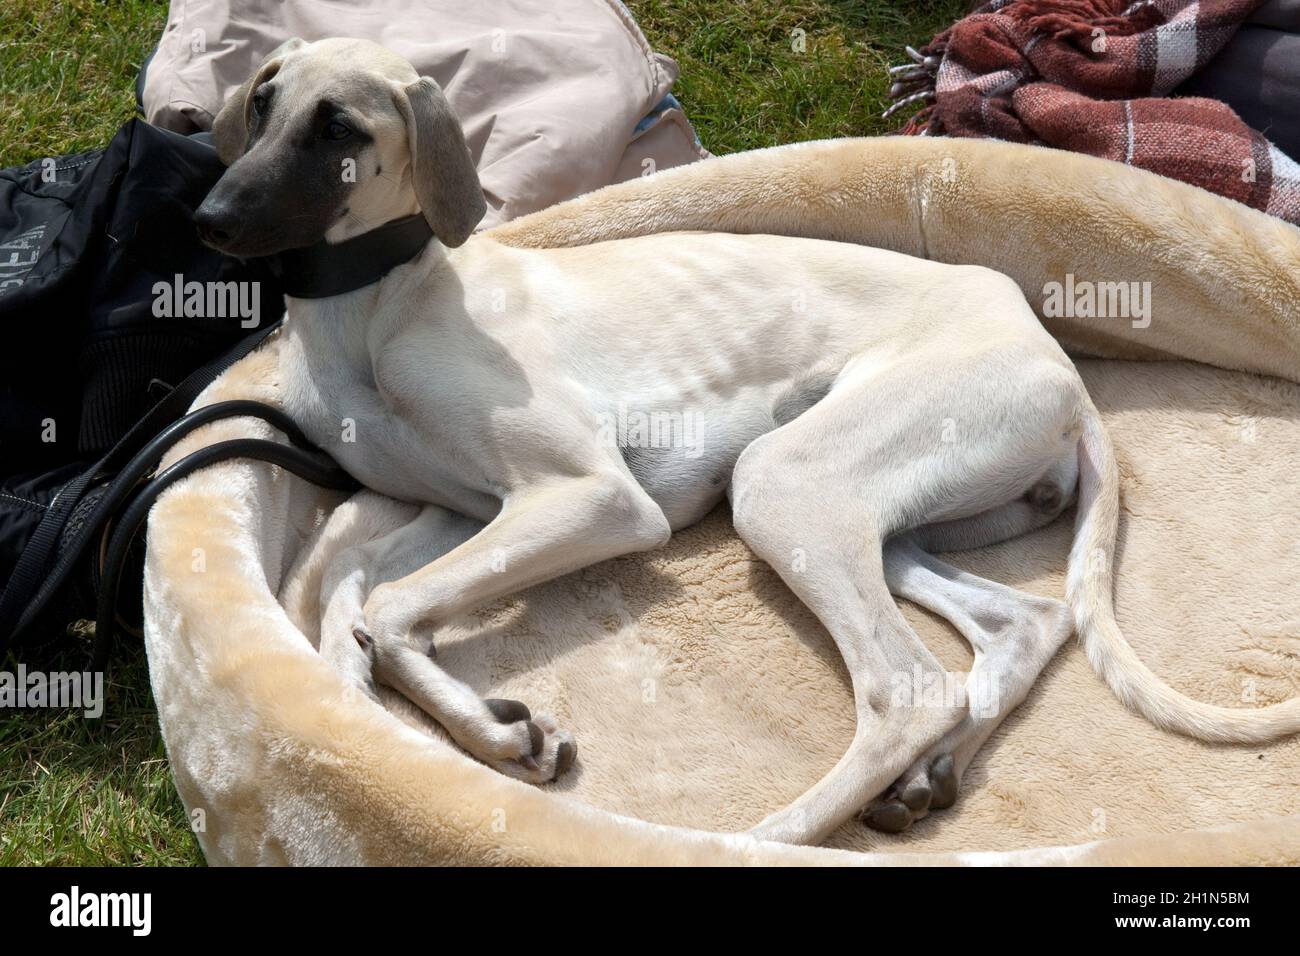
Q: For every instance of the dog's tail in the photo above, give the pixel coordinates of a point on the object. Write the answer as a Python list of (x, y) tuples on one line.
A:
[(1090, 588)]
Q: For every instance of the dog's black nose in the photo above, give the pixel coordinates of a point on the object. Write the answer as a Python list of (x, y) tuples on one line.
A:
[(212, 234), (213, 225)]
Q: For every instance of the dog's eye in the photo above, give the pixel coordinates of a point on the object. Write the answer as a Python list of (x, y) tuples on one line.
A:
[(336, 130), (259, 103)]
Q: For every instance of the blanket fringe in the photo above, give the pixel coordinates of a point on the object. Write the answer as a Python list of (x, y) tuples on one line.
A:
[(915, 83)]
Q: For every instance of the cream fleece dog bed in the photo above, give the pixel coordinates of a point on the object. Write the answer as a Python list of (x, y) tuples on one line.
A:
[(703, 695)]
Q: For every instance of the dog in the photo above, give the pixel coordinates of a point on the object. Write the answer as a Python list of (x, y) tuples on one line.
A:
[(860, 409)]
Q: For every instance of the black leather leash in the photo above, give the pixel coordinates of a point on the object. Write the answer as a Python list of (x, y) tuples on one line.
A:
[(300, 458), (315, 272), (43, 569)]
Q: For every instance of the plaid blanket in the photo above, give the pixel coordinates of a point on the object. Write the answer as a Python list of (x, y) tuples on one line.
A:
[(1091, 76)]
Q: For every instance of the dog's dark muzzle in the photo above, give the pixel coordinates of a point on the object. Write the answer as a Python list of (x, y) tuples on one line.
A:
[(216, 222), (258, 209)]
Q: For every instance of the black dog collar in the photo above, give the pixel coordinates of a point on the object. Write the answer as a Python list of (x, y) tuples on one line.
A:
[(326, 269)]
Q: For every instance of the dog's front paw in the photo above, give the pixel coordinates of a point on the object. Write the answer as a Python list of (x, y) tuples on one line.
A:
[(539, 751)]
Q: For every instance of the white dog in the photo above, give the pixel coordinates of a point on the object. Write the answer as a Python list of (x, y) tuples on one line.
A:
[(906, 407)]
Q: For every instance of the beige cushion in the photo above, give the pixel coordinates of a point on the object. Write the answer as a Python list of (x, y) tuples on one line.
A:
[(703, 695), (550, 92)]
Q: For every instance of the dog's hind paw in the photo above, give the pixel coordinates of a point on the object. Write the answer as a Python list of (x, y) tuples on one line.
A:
[(545, 751), (930, 784)]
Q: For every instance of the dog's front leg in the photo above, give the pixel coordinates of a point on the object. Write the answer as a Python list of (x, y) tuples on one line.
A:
[(539, 535), (384, 544)]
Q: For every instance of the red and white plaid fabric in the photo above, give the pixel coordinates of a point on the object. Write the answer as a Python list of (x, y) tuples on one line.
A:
[(1091, 76)]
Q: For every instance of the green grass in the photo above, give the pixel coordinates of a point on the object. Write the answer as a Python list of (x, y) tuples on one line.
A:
[(67, 69), (744, 85), (98, 792), (79, 792), (67, 72)]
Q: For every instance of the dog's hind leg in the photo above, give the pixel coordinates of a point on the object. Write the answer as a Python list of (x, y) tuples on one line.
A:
[(1013, 634), (826, 544), (819, 497), (362, 518), (1040, 505)]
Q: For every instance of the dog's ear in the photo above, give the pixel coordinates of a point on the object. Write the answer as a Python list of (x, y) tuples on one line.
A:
[(230, 128), (442, 169)]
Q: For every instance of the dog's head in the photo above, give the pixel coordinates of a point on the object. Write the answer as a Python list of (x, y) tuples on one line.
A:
[(334, 132)]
